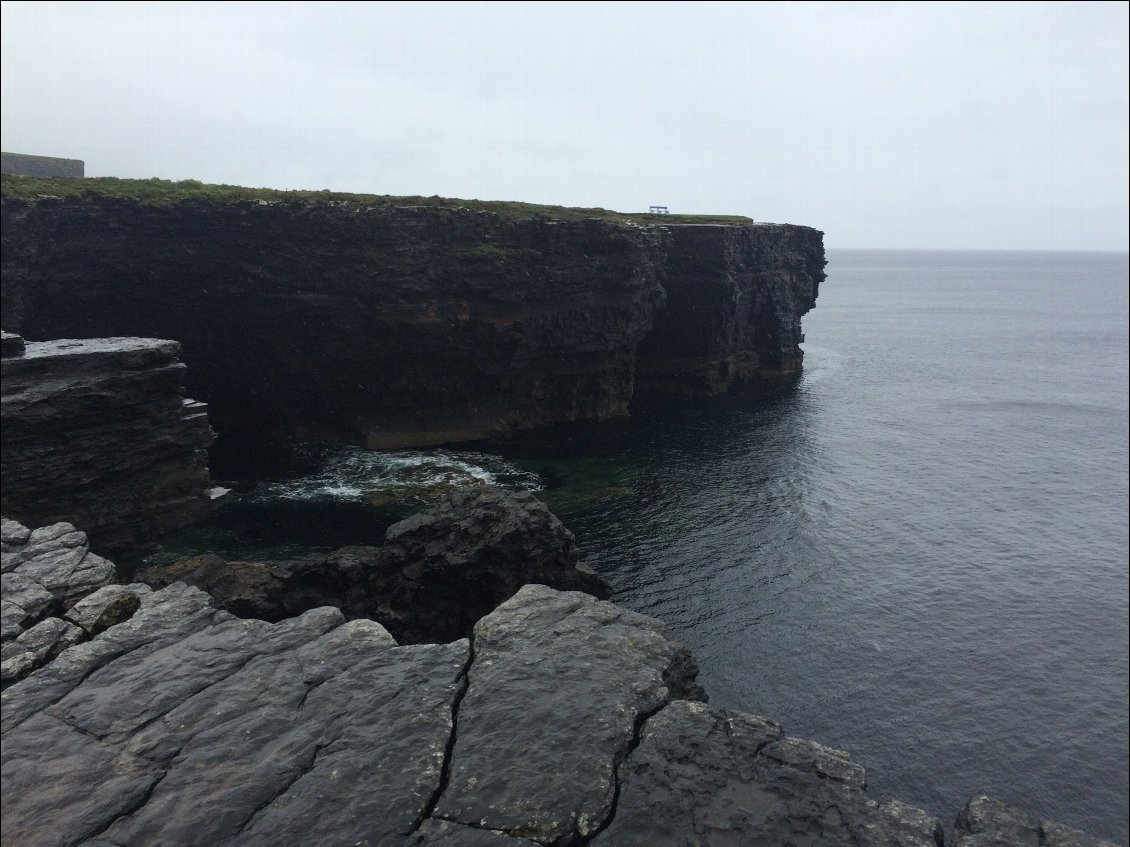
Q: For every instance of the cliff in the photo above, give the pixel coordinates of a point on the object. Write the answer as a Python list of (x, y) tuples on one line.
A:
[(375, 321), (98, 433), (735, 297)]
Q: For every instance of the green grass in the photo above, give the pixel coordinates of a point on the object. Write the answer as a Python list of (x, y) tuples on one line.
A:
[(163, 192)]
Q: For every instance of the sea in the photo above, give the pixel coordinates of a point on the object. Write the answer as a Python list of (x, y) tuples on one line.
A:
[(916, 552)]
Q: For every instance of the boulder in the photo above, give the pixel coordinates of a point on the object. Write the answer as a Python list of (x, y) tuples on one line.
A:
[(109, 605), (248, 589), (441, 570)]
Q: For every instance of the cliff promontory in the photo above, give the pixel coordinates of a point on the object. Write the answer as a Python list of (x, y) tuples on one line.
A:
[(394, 321)]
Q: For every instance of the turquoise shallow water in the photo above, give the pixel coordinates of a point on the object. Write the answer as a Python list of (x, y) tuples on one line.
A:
[(917, 552)]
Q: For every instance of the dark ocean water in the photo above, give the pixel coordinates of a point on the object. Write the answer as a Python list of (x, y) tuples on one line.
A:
[(917, 552)]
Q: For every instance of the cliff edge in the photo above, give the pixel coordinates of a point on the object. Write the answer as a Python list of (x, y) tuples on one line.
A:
[(407, 321)]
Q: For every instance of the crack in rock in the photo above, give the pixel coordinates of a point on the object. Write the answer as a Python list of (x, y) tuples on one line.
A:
[(303, 769), (621, 757), (449, 749)]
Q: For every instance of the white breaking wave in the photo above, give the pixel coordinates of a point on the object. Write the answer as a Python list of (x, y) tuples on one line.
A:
[(355, 474)]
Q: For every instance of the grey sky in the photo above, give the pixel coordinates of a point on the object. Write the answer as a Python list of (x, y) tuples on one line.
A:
[(886, 125)]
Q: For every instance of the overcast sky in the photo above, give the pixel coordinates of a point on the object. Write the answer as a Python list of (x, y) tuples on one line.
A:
[(883, 124)]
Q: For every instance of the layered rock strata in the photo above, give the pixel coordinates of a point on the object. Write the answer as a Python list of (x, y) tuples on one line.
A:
[(44, 574), (557, 723), (735, 298), (436, 575), (392, 326), (97, 432)]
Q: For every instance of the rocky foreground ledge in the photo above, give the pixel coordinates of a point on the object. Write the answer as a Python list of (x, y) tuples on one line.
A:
[(160, 719)]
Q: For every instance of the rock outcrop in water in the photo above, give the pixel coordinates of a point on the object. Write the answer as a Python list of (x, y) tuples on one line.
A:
[(394, 325), (557, 723), (98, 433), (436, 575)]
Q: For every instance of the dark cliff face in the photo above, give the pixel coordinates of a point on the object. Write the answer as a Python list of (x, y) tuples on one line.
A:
[(735, 298), (388, 325), (409, 325)]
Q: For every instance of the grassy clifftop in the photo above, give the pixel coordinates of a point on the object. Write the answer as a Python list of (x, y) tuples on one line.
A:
[(162, 192)]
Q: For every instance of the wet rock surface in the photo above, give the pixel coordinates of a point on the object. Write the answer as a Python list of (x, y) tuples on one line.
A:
[(239, 732), (436, 575), (429, 325), (165, 720), (97, 433)]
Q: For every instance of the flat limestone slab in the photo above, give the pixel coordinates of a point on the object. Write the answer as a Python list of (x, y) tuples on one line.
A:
[(234, 732), (556, 687)]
